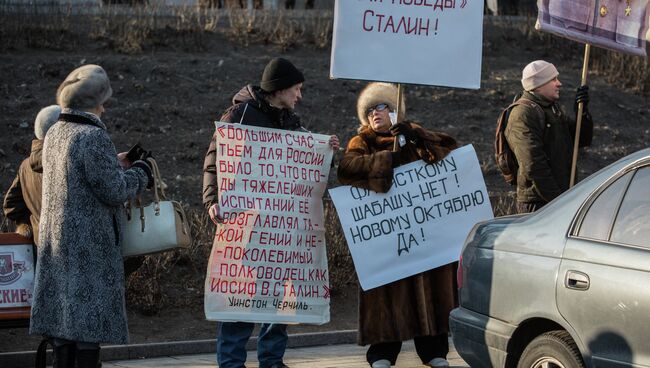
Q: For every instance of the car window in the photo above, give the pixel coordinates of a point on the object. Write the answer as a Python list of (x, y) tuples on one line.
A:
[(632, 224), (600, 215)]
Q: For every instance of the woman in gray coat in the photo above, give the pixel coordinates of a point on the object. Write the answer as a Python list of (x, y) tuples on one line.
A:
[(79, 288)]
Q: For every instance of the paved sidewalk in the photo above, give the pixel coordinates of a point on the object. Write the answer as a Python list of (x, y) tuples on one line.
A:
[(339, 356)]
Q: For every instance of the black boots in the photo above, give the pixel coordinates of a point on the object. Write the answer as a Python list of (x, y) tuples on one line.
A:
[(64, 356), (67, 355), (88, 358)]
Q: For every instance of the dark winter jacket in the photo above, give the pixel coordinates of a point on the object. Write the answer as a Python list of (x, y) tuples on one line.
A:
[(22, 203), (544, 150), (418, 305), (249, 108), (79, 283)]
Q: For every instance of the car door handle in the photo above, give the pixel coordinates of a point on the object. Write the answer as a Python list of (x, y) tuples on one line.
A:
[(576, 280)]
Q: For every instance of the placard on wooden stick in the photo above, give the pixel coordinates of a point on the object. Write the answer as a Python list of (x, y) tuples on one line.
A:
[(428, 42)]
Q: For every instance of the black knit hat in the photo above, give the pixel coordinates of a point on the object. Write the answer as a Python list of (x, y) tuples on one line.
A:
[(279, 74)]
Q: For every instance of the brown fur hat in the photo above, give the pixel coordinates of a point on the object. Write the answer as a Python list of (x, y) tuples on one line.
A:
[(375, 93)]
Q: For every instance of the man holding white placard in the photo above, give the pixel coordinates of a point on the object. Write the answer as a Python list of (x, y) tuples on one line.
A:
[(269, 105)]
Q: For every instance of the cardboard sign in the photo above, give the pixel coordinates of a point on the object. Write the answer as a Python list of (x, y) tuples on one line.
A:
[(619, 25), (269, 261), (16, 276), (420, 224), (430, 42)]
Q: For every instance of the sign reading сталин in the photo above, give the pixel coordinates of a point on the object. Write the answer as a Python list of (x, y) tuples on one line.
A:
[(429, 42), (269, 261)]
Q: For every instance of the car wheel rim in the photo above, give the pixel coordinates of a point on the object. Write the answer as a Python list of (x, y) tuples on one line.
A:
[(547, 362)]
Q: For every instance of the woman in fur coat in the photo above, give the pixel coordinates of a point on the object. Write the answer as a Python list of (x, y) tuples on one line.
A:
[(79, 283), (416, 307)]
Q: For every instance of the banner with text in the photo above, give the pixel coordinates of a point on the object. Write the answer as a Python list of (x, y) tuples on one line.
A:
[(16, 272), (430, 42), (268, 261), (420, 224), (612, 24)]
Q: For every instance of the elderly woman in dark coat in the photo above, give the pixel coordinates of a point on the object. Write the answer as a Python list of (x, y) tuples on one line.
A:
[(79, 288), (416, 307)]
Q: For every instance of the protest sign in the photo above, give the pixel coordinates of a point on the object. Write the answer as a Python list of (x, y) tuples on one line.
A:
[(16, 276), (268, 261), (619, 25), (420, 224), (430, 42)]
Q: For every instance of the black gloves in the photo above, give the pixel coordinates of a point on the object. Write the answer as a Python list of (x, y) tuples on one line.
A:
[(582, 95), (404, 129)]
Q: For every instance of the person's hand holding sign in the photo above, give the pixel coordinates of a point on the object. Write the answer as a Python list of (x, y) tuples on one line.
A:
[(215, 214)]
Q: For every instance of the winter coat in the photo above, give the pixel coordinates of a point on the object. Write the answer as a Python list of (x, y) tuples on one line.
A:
[(249, 108), (22, 203), (79, 286), (418, 305), (544, 150)]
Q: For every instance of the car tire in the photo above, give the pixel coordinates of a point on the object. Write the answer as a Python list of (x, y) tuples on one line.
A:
[(555, 349)]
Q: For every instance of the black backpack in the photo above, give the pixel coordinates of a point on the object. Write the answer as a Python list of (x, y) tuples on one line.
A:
[(503, 155)]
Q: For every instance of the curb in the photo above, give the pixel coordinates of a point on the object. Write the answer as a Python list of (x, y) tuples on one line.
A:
[(24, 359)]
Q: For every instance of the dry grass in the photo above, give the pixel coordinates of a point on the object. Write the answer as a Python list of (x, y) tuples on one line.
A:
[(137, 29), (36, 26), (503, 204), (173, 278), (338, 256), (6, 225), (621, 70), (281, 28), (145, 28)]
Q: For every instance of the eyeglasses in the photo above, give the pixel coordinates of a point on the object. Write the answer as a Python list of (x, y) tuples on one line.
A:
[(378, 107)]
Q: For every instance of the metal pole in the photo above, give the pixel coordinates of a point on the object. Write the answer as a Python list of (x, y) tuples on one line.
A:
[(576, 141)]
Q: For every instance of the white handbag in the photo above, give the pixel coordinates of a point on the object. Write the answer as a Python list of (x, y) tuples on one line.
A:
[(157, 227)]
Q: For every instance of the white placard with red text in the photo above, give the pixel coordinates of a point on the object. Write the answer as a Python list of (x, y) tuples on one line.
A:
[(16, 275), (268, 260), (420, 224), (430, 42)]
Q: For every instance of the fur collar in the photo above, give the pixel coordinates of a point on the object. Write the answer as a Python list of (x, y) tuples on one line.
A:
[(376, 140), (82, 117)]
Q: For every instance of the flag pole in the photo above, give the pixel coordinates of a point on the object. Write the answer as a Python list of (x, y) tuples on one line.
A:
[(581, 106)]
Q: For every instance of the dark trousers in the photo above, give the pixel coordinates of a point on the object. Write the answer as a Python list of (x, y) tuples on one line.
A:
[(427, 347), (526, 207)]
